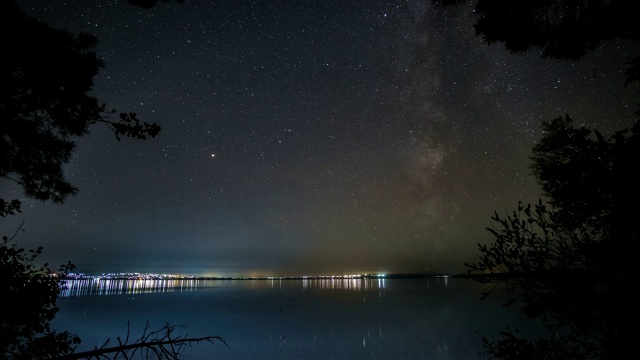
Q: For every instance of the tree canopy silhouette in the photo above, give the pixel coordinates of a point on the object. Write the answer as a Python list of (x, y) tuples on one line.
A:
[(561, 29), (570, 263), (592, 184), (45, 103)]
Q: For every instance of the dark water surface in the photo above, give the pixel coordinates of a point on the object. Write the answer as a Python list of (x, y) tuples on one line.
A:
[(436, 318)]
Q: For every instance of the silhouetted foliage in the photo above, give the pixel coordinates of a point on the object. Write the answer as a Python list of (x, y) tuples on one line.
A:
[(561, 29), (29, 297), (46, 75), (570, 264), (9, 207), (44, 103), (550, 272), (593, 185)]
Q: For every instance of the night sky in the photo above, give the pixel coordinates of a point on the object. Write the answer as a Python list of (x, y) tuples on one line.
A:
[(306, 137)]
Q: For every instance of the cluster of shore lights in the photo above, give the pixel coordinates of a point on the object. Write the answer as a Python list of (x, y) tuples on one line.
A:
[(130, 276), (355, 276), (140, 276)]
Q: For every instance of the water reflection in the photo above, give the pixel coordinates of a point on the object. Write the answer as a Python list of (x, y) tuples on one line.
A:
[(101, 286), (356, 284), (117, 287), (339, 318)]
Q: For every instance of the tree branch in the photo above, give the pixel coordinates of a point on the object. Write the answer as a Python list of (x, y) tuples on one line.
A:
[(160, 344)]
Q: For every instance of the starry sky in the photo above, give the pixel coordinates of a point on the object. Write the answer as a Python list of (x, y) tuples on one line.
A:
[(306, 137)]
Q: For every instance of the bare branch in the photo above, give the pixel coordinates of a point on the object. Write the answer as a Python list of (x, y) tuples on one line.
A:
[(159, 344)]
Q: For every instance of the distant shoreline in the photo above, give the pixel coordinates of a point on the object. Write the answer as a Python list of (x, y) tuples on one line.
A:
[(139, 276)]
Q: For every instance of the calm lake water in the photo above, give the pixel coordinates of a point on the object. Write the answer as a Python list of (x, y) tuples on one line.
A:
[(435, 318)]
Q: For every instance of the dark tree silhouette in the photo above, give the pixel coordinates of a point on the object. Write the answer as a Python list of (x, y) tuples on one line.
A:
[(9, 207), (592, 185), (571, 263), (44, 103), (29, 304), (46, 75), (561, 29)]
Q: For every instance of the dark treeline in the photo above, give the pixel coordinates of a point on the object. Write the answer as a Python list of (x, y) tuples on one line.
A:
[(570, 260)]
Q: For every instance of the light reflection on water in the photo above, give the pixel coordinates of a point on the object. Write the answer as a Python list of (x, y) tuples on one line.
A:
[(118, 287), (345, 284), (98, 286), (370, 318)]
